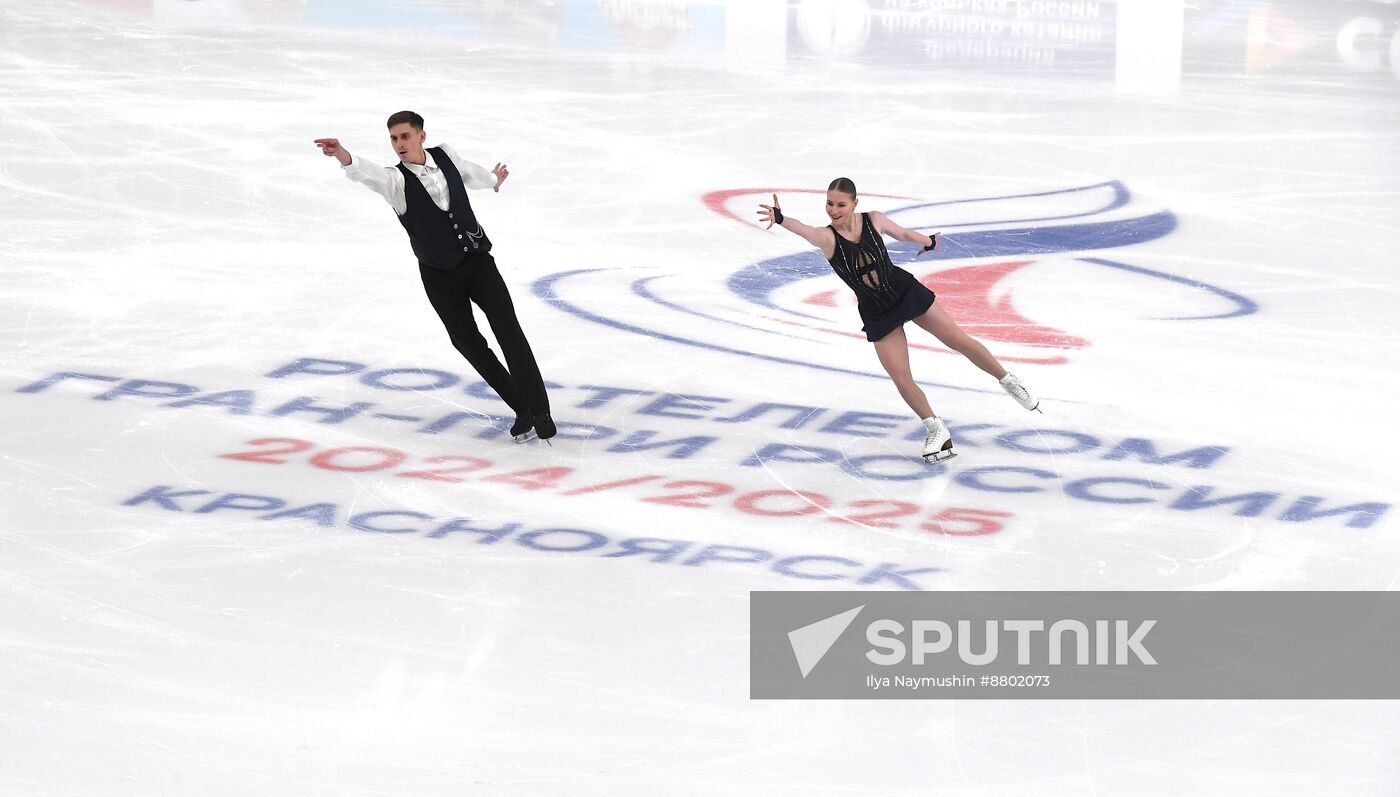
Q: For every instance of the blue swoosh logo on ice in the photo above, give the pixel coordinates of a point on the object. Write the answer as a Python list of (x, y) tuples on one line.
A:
[(758, 282), (1121, 197)]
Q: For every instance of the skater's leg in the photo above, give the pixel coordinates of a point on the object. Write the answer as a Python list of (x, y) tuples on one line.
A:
[(893, 351), (951, 335), (490, 293), (447, 291)]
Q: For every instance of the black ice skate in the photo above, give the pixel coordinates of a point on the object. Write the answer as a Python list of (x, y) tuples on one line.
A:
[(544, 427), (523, 431)]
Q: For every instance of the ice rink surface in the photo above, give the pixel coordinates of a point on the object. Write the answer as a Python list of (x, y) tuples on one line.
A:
[(263, 532)]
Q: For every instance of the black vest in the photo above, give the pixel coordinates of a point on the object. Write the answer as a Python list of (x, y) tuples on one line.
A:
[(441, 238)]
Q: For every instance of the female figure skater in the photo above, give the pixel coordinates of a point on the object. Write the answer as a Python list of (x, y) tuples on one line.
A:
[(888, 296)]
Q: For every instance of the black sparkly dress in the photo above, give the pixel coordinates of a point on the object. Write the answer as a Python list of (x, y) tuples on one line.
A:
[(887, 296)]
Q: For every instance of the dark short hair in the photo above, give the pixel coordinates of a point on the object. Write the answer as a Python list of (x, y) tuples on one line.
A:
[(844, 185), (406, 116)]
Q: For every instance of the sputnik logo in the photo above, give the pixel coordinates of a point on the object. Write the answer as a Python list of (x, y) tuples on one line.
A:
[(811, 642)]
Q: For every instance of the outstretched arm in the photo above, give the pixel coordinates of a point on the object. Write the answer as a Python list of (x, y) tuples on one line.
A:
[(331, 148), (388, 183), (887, 227), (819, 237), (474, 176)]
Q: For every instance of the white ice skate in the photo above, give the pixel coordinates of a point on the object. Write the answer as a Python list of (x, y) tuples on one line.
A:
[(1020, 392), (938, 446)]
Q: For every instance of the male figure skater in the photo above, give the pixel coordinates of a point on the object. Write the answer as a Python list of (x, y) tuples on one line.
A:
[(428, 191)]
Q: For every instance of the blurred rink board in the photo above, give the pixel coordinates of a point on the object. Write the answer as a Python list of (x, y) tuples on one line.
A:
[(717, 33), (1139, 46)]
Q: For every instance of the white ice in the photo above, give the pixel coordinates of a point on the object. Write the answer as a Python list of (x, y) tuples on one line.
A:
[(167, 218)]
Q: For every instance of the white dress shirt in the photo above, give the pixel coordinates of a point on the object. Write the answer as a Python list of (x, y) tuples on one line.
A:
[(387, 181)]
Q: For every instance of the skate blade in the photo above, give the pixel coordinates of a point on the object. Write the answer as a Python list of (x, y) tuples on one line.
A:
[(525, 438), (939, 456)]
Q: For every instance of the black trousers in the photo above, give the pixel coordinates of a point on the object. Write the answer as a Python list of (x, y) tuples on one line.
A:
[(476, 279)]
